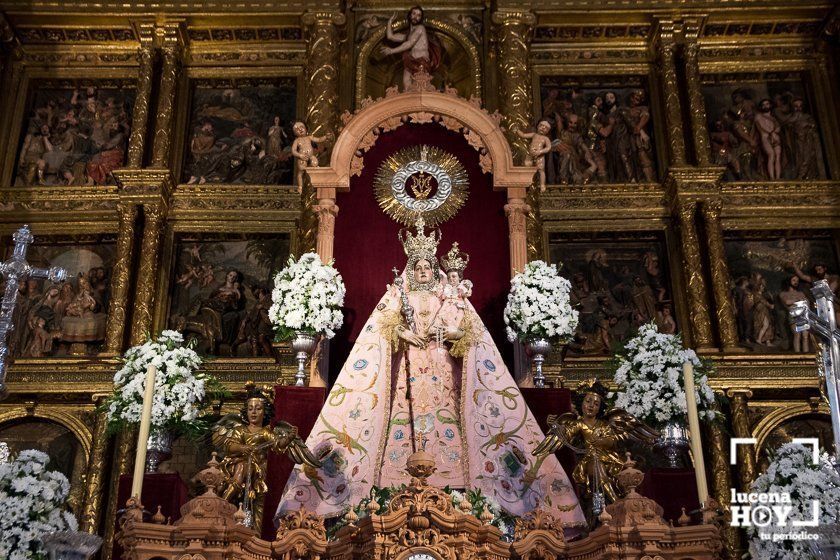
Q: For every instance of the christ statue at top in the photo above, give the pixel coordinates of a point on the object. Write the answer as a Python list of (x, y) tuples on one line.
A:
[(419, 50)]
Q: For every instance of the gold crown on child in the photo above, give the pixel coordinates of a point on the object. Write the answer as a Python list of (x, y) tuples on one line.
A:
[(455, 259), (420, 244)]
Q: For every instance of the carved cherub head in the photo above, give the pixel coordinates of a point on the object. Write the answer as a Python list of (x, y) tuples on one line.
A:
[(299, 129)]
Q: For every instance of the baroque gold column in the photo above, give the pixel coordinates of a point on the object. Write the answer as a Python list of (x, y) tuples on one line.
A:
[(95, 480), (718, 459), (696, 104), (171, 54), (140, 116), (121, 275), (513, 35), (724, 308), (513, 38), (147, 273), (12, 77), (322, 56), (667, 54), (741, 429), (698, 310), (122, 463)]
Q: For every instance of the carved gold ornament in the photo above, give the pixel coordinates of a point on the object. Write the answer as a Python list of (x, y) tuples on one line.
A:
[(404, 187)]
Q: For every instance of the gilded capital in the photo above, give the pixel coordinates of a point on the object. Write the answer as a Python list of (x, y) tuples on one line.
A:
[(711, 209), (739, 395), (323, 18), (514, 17)]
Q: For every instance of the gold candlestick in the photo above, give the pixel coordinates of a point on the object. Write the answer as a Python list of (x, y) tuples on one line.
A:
[(694, 430), (143, 436)]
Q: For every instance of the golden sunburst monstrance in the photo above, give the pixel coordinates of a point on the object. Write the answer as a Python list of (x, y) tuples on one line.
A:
[(403, 185)]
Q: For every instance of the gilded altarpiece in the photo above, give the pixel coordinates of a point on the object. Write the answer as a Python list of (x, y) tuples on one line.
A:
[(687, 66)]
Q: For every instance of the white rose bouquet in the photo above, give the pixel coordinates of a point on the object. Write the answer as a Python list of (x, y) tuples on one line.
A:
[(307, 297), (649, 378), (181, 391), (32, 504), (793, 472), (538, 305)]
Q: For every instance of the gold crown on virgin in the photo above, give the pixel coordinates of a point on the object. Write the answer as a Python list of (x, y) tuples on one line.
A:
[(455, 259), (420, 244)]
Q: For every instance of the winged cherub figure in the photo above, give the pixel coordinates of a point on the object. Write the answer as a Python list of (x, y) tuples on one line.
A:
[(599, 431), (245, 439)]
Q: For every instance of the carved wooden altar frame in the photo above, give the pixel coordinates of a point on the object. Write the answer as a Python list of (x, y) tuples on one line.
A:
[(451, 111)]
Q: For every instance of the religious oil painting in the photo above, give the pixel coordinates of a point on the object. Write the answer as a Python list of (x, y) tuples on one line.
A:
[(764, 128), (59, 443), (66, 319), (770, 272), (75, 132), (601, 131), (619, 282), (814, 425), (240, 132), (221, 291)]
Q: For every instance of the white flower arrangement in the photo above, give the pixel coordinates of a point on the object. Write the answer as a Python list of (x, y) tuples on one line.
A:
[(307, 297), (32, 504), (793, 472), (649, 377), (538, 305), (477, 500), (180, 389)]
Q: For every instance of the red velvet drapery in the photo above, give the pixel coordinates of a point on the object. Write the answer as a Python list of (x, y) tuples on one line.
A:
[(367, 248)]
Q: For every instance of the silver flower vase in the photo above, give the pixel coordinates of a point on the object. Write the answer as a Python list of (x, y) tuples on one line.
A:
[(537, 349), (158, 449), (673, 440), (71, 545), (303, 345)]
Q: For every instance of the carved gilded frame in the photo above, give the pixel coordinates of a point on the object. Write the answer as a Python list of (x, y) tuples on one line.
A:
[(579, 368), (378, 35), (16, 106), (644, 70), (194, 74), (234, 372), (58, 376), (70, 416)]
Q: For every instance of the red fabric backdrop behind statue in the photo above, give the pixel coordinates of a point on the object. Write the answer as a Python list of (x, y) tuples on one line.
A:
[(367, 248)]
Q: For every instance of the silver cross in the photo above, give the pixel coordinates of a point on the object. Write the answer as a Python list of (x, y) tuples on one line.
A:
[(824, 325), (16, 269)]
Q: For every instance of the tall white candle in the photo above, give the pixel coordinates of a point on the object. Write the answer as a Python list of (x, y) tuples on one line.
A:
[(143, 436), (694, 430)]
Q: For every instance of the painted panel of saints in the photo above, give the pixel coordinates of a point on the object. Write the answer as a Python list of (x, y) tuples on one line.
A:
[(66, 319), (221, 291), (600, 132), (815, 425), (60, 444), (619, 282), (770, 272), (763, 127), (241, 132), (75, 132)]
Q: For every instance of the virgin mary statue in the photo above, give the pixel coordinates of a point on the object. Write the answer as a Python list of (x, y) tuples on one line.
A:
[(425, 374)]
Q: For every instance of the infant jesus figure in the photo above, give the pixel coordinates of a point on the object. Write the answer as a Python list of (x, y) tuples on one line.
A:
[(454, 293)]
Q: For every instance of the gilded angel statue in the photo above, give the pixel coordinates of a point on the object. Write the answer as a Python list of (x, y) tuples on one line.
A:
[(599, 431), (245, 439)]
